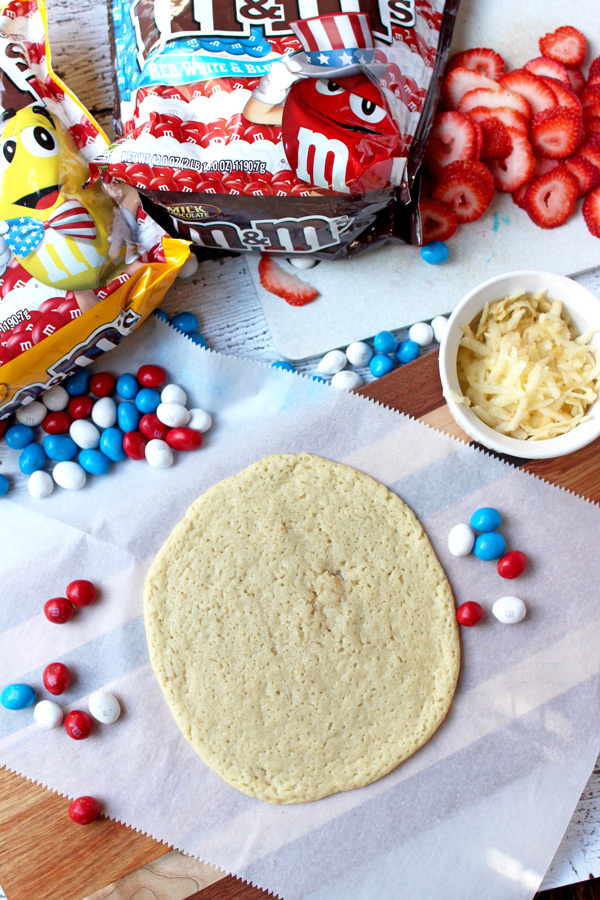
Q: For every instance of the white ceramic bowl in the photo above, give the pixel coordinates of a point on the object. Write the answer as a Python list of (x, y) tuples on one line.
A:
[(584, 309)]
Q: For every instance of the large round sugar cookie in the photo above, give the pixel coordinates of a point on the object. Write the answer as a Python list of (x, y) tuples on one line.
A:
[(302, 629)]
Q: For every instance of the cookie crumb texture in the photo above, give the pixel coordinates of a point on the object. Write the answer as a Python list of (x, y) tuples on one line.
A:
[(302, 629)]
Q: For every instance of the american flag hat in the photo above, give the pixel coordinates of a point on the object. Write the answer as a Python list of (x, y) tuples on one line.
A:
[(337, 44)]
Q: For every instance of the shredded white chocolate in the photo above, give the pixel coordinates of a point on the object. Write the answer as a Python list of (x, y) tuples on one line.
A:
[(523, 369)]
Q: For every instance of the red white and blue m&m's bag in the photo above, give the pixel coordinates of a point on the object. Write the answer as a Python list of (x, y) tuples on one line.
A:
[(81, 265), (285, 126)]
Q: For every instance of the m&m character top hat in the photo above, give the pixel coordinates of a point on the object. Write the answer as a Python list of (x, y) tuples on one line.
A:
[(337, 45)]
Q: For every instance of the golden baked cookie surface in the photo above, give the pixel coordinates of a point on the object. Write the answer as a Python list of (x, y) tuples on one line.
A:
[(302, 629)]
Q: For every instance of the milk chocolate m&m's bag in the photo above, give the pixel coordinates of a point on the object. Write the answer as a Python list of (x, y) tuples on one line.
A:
[(285, 126), (78, 270)]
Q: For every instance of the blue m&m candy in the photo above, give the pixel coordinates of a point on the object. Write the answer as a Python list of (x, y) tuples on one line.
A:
[(385, 342), (380, 364), (31, 459), (59, 447), (198, 340), (78, 383), (147, 400), (435, 253), (111, 444), (94, 462), (161, 314), (17, 696), (489, 545), (486, 519), (128, 416), (185, 322), (127, 386), (19, 436), (283, 364), (4, 485), (407, 351)]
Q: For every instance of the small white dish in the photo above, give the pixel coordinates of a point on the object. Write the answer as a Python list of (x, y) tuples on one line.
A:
[(584, 309)]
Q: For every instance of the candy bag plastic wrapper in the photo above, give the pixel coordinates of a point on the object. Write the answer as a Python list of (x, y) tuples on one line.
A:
[(285, 126), (78, 271)]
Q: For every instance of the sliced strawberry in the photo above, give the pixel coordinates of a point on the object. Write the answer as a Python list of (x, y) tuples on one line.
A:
[(576, 78), (494, 99), (591, 212), (592, 126), (594, 71), (461, 80), (497, 141), (516, 168), (556, 133), (438, 220), (550, 199), (472, 167), (538, 95), (590, 112), (566, 45), (481, 59), (543, 165), (587, 175), (590, 95), (590, 150), (467, 194), (565, 96), (509, 117), (478, 138), (452, 137), (519, 195), (284, 284), (548, 68)]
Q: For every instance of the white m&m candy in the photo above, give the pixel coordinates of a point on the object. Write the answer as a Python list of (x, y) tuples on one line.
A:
[(200, 420), (33, 414), (104, 707), (173, 414), (85, 434), (159, 454), (439, 325), (332, 362), (47, 714), (346, 380), (69, 475), (104, 412), (172, 393), (421, 333), (461, 540), (509, 610), (359, 353), (56, 398), (40, 484)]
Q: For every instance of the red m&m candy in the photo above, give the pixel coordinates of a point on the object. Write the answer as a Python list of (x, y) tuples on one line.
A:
[(78, 724), (84, 810), (58, 610), (56, 678), (184, 439), (81, 407), (152, 428), (102, 384), (469, 614), (512, 564), (134, 445), (151, 376), (46, 325), (81, 592), (20, 342), (57, 422)]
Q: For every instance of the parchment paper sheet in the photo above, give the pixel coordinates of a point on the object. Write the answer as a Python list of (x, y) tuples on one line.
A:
[(478, 812)]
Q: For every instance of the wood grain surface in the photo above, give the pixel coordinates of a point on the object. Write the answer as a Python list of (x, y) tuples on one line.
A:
[(43, 856)]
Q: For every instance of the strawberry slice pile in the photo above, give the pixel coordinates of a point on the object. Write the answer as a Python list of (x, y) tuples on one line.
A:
[(533, 132)]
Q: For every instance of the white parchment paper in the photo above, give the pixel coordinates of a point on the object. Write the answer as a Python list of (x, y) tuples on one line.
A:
[(478, 812)]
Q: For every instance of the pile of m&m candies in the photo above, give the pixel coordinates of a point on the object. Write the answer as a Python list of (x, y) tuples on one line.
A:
[(97, 419), (103, 706), (382, 357), (489, 545)]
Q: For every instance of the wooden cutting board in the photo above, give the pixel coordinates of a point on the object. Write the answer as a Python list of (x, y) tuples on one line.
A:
[(44, 856)]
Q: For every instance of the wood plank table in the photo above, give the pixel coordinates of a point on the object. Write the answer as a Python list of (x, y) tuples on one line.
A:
[(43, 856)]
